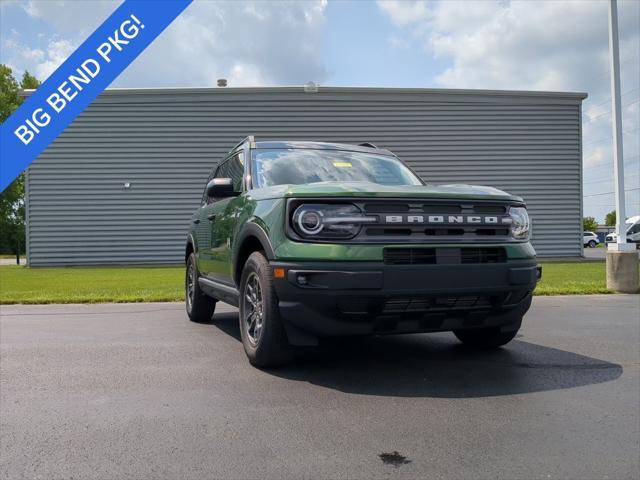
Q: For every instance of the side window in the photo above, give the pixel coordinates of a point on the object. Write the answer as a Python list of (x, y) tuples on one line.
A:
[(205, 199), (231, 167), (221, 171), (235, 170)]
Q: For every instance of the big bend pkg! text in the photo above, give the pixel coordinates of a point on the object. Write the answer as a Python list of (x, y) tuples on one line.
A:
[(74, 84)]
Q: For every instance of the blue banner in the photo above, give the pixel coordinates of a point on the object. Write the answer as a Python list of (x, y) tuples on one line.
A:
[(80, 79)]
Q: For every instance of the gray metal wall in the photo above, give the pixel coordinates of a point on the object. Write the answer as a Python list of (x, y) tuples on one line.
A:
[(165, 141)]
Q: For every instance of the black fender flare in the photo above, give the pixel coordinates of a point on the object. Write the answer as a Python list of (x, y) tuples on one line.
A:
[(192, 241), (255, 230), (251, 229)]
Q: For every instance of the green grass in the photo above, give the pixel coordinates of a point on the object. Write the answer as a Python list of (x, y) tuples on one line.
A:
[(137, 284), (90, 285), (572, 278)]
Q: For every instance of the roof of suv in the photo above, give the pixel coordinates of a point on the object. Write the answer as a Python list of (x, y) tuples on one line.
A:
[(287, 144)]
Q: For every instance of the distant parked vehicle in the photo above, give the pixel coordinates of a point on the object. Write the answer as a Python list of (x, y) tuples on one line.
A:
[(633, 232), (590, 239)]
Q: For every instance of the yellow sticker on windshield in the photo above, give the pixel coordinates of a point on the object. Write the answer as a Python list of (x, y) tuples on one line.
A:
[(342, 164)]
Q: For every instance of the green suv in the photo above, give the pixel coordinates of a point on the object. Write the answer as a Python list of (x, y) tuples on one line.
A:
[(314, 240)]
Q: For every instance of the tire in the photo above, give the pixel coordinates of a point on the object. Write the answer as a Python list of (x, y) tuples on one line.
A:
[(263, 335), (486, 337), (200, 307), (592, 243)]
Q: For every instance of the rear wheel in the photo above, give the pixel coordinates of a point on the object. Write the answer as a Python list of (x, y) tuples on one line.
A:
[(200, 307), (486, 337), (263, 336), (592, 243)]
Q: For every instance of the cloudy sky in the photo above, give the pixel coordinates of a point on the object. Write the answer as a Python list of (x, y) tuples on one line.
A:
[(520, 45)]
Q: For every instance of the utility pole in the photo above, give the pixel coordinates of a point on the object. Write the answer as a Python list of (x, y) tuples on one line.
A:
[(622, 259), (616, 119)]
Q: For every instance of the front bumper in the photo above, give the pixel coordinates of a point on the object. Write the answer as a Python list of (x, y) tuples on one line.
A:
[(360, 298)]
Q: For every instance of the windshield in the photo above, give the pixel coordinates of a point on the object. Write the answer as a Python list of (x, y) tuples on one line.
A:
[(299, 166)]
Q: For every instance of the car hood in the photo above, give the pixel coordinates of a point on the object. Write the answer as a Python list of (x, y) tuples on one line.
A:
[(368, 190)]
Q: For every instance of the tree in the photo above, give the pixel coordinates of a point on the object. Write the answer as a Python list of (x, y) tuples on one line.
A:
[(29, 82), (12, 218), (9, 93), (610, 218), (589, 224), (12, 211)]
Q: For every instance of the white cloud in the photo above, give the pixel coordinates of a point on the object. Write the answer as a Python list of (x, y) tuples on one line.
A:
[(57, 52), (537, 45), (71, 16), (249, 43), (244, 74), (596, 156), (40, 63), (403, 12)]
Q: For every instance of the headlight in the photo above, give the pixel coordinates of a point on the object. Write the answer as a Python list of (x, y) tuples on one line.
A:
[(328, 221), (520, 225)]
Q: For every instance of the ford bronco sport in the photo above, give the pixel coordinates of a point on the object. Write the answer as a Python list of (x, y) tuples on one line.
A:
[(318, 239)]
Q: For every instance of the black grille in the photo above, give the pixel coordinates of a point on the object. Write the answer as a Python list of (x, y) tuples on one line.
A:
[(429, 231), (400, 305), (433, 256), (429, 312), (409, 256), (483, 255)]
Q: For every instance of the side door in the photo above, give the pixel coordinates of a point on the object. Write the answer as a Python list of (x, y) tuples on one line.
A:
[(224, 213), (202, 228)]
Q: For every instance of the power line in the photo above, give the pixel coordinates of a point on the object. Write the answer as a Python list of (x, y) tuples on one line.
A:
[(609, 163), (608, 70), (609, 99), (613, 205), (626, 132), (610, 178), (591, 119), (611, 193)]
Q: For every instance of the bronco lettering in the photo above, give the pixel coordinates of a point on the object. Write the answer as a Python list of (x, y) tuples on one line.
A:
[(447, 219)]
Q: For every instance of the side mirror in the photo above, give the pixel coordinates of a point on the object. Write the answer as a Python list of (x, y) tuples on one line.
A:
[(220, 188)]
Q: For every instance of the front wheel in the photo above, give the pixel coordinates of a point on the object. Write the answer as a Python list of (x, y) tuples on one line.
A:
[(263, 336), (200, 307), (592, 243), (486, 337)]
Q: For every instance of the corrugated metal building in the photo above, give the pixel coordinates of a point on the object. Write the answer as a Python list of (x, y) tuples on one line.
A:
[(162, 143)]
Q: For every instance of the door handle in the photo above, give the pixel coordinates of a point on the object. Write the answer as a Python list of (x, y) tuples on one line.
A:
[(196, 221), (211, 217)]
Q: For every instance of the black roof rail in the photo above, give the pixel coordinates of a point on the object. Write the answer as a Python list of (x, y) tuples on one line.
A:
[(249, 138), (367, 144)]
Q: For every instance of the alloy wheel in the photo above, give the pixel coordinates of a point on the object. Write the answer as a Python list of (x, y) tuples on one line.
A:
[(253, 308), (191, 279)]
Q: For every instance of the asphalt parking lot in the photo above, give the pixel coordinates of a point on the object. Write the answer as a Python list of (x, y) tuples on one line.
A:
[(597, 253), (137, 391)]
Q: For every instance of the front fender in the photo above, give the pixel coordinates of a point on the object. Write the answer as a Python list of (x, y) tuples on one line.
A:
[(253, 229), (190, 240)]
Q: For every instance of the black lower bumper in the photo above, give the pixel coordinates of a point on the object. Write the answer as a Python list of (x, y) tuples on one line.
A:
[(357, 298)]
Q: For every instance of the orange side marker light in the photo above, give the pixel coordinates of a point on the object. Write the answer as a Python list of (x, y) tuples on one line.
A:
[(278, 272)]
